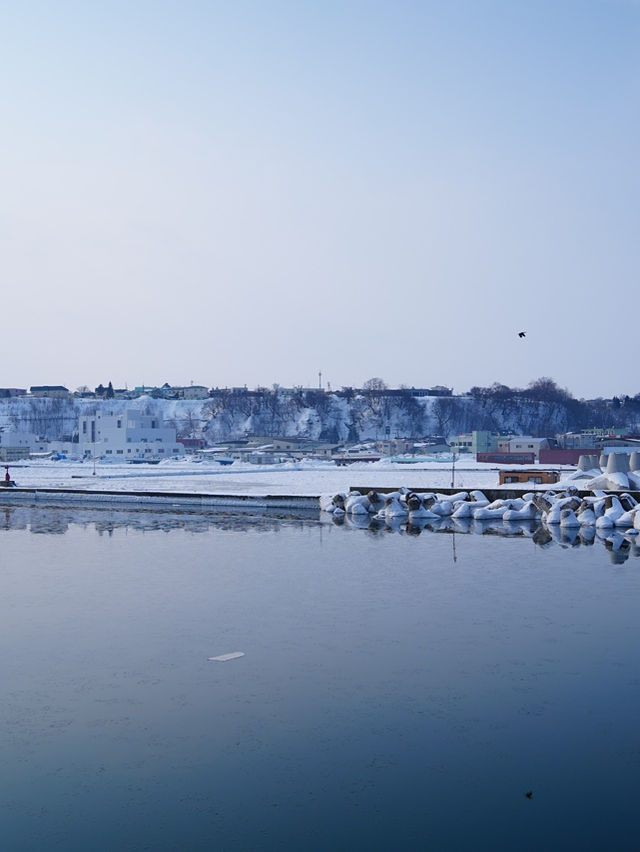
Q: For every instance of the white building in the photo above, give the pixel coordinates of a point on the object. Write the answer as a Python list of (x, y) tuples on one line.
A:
[(527, 444), (14, 438), (188, 392), (23, 445), (16, 445), (126, 436)]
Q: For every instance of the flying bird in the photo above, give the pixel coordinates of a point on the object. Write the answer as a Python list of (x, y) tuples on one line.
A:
[(529, 794), (522, 334)]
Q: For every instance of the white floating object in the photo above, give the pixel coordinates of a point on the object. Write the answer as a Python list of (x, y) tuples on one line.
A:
[(224, 657)]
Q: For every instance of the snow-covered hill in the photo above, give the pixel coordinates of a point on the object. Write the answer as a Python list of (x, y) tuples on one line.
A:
[(314, 414)]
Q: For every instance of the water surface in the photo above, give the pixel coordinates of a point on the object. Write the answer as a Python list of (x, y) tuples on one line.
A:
[(397, 691)]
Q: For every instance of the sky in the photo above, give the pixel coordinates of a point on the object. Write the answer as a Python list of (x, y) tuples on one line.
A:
[(256, 192)]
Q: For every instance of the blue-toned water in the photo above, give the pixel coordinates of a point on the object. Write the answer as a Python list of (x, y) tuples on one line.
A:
[(397, 691)]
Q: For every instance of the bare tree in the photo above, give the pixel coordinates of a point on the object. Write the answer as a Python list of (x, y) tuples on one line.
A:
[(446, 411), (374, 384)]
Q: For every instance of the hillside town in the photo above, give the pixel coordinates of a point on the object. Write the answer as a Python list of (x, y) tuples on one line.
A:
[(267, 426)]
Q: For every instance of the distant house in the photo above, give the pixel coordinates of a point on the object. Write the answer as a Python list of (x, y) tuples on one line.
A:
[(461, 443), (188, 392), (293, 446), (527, 444), (56, 391), (14, 438), (424, 392), (585, 440), (395, 446), (11, 392), (437, 390), (537, 477), (484, 441), (192, 445), (168, 391), (506, 458), (16, 445), (479, 441)]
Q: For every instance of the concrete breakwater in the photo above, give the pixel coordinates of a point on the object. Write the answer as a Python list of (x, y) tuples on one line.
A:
[(150, 499), (566, 508), (612, 472)]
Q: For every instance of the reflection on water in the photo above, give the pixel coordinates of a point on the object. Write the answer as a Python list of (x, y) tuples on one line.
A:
[(56, 520), (620, 544)]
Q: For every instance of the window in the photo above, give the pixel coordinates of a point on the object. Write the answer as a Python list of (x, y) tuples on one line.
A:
[(119, 424), (84, 427), (109, 452), (120, 452)]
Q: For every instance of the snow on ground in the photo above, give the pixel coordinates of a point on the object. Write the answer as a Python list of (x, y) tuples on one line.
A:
[(307, 478)]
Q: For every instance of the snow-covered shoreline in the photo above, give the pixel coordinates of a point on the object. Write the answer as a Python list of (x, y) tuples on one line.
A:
[(305, 479)]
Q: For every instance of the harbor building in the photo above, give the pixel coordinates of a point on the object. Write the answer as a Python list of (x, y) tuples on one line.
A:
[(128, 436)]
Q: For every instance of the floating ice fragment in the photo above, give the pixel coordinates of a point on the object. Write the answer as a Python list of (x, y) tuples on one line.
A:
[(224, 657)]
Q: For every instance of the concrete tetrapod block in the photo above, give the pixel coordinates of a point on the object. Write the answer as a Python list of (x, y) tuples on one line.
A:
[(618, 463), (634, 461), (584, 463)]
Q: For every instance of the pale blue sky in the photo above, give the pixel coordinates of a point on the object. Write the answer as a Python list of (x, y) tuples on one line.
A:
[(250, 192)]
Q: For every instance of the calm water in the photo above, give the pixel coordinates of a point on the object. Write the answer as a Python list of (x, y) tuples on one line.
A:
[(397, 691)]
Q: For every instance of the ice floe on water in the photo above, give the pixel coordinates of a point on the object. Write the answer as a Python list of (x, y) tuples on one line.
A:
[(224, 658)]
